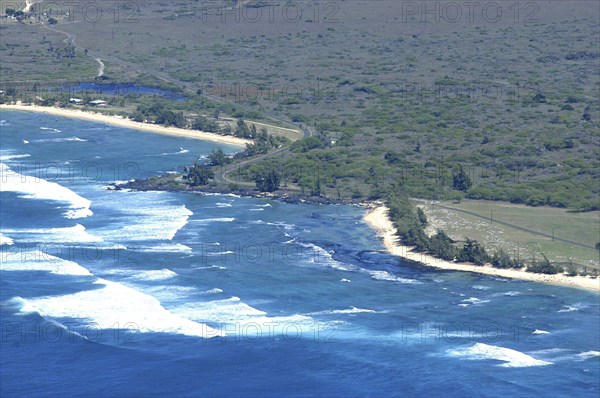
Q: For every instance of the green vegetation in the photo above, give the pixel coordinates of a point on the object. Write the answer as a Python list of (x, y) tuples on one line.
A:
[(198, 174), (544, 266), (267, 179), (510, 114), (411, 231), (218, 158)]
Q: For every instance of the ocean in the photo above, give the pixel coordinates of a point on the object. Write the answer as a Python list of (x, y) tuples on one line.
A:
[(129, 294)]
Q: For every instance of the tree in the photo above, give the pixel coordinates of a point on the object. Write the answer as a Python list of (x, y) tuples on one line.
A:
[(501, 259), (198, 174), (203, 124), (267, 179), (217, 157), (440, 245), (317, 187), (544, 267), (422, 216), (242, 129), (461, 180), (473, 252)]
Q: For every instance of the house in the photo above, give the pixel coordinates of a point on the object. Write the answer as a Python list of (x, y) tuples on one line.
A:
[(98, 103), (76, 101)]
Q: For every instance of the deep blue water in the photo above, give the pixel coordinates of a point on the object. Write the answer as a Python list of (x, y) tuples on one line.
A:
[(112, 293)]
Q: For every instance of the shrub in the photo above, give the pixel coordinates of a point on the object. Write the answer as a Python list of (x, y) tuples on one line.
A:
[(544, 267)]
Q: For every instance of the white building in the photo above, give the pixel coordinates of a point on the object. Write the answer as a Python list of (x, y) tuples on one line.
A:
[(98, 103)]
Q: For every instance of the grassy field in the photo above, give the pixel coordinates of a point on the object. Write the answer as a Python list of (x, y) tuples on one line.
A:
[(581, 228)]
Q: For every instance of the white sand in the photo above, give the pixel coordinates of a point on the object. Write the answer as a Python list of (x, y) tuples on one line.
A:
[(377, 218), (130, 124)]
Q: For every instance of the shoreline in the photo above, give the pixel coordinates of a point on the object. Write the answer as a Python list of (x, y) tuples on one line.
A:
[(130, 124), (377, 218)]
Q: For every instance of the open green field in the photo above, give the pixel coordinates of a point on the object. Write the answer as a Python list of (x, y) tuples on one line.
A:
[(489, 222)]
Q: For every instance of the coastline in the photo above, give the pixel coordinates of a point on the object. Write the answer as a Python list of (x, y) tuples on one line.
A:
[(130, 124), (377, 218)]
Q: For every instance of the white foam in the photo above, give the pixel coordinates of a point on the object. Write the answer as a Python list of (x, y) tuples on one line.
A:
[(5, 240), (588, 355), (10, 156), (115, 304), (236, 318), (181, 151), (123, 182), (259, 209), (221, 204), (151, 221), (351, 310), (209, 220), (228, 311), (50, 129), (168, 292), (212, 267), (475, 300), (75, 234), (216, 290), (318, 255), (572, 308), (345, 280), (511, 294), (480, 287), (539, 331), (60, 139), (386, 276), (221, 253), (511, 358), (37, 188), (167, 248), (25, 142), (561, 355), (154, 275), (277, 224), (39, 261)]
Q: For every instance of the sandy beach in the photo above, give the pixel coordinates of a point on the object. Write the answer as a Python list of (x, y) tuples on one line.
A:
[(130, 124), (377, 219)]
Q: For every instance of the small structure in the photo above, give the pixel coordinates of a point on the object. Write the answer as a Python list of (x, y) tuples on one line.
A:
[(98, 103), (76, 101)]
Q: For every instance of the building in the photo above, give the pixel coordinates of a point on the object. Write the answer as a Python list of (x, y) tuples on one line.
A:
[(98, 103), (76, 101)]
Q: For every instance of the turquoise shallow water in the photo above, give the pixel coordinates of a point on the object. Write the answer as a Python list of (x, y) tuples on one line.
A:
[(117, 293)]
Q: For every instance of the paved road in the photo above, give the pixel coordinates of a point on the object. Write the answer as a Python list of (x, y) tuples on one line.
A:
[(222, 174)]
